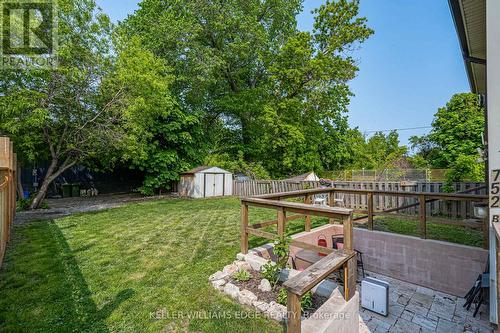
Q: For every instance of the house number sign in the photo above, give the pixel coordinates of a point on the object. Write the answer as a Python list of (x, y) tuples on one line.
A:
[(495, 193)]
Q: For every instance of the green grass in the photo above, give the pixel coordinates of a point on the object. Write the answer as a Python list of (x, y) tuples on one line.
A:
[(108, 271), (449, 233)]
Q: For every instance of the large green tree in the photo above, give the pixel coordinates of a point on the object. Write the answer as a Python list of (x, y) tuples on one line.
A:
[(455, 138), (280, 95), (100, 106), (55, 114), (379, 151)]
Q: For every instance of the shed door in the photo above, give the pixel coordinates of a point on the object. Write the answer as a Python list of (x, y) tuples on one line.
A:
[(214, 184), (219, 185), (209, 185)]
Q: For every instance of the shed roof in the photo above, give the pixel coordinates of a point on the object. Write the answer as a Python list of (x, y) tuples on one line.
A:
[(203, 169)]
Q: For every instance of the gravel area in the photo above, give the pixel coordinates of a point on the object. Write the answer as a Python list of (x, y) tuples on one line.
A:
[(68, 206)]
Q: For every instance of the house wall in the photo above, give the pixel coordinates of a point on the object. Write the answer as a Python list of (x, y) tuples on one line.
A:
[(493, 108), (442, 266)]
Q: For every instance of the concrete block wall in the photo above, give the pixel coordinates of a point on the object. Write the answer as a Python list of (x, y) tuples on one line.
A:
[(442, 266)]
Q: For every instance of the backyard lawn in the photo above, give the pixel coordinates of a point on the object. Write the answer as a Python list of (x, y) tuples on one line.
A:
[(116, 270)]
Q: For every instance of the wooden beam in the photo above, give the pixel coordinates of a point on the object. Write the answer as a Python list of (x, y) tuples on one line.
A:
[(311, 247), (308, 201), (261, 233), (331, 203), (281, 221), (244, 227), (5, 158), (348, 233), (422, 217), (299, 208), (429, 195), (317, 272), (294, 312), (273, 222), (369, 198)]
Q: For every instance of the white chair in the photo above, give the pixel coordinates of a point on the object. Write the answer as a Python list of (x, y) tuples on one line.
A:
[(339, 200), (320, 200)]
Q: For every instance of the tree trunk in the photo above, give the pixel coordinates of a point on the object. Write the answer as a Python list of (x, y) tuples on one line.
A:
[(20, 190), (49, 178), (42, 192)]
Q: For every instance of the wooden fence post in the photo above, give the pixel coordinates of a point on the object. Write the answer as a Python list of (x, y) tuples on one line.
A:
[(331, 203), (308, 200), (244, 225), (294, 313), (350, 268), (486, 233), (422, 216), (281, 221), (369, 198)]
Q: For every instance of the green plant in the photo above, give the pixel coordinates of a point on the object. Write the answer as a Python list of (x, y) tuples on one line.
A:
[(305, 301), (242, 275), (25, 203), (282, 297), (271, 271), (282, 251)]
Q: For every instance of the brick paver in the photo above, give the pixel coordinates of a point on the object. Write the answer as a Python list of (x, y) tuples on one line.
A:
[(417, 309)]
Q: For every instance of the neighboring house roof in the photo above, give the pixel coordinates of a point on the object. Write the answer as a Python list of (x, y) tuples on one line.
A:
[(469, 17), (302, 177), (204, 169)]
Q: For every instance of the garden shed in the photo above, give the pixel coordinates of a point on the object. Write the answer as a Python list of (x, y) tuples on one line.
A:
[(206, 181)]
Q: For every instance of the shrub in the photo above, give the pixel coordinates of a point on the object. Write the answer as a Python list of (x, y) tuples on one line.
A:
[(271, 272), (305, 301), (242, 275), (281, 249)]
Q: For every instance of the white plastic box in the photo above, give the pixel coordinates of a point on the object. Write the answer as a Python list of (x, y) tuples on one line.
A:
[(375, 295)]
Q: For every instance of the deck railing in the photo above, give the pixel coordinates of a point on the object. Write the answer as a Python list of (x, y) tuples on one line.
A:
[(7, 192), (424, 198), (313, 275)]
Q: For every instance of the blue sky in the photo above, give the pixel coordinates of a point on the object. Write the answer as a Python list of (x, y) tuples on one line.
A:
[(411, 65)]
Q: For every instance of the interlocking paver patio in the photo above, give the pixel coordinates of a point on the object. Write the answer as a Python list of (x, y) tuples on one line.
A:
[(418, 309)]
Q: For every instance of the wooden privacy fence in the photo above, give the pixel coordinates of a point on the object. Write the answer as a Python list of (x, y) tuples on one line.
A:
[(8, 167), (300, 284), (448, 209)]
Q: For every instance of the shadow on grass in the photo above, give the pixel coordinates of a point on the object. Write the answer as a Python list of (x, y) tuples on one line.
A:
[(43, 289)]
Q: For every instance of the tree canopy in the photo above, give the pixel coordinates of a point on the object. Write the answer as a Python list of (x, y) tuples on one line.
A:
[(279, 95), (182, 82), (455, 138)]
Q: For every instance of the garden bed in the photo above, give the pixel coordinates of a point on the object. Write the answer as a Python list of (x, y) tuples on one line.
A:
[(256, 290)]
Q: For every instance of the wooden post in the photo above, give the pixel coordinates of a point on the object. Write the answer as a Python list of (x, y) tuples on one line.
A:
[(348, 233), (244, 226), (293, 313), (423, 216), (350, 268), (369, 198), (281, 221), (486, 233), (308, 200), (331, 203)]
